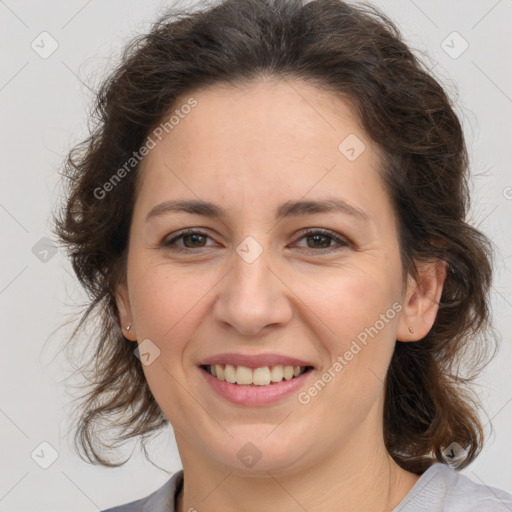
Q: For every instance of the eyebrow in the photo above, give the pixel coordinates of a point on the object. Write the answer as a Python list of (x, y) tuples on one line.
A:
[(287, 209)]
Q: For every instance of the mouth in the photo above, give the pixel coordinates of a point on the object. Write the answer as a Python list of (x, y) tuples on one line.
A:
[(261, 376)]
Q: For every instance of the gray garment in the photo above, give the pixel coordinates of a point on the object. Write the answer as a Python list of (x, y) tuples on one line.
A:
[(439, 489)]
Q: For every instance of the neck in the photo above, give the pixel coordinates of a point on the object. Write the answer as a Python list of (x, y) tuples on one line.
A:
[(360, 477)]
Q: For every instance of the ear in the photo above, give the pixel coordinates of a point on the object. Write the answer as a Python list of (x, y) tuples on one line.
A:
[(125, 312), (421, 302)]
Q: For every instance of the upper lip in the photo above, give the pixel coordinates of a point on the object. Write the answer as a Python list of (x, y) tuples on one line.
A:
[(254, 361)]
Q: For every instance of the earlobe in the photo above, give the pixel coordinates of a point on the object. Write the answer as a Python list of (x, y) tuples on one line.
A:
[(125, 314), (421, 301)]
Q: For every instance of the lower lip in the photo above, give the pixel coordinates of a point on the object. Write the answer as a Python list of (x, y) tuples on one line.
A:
[(251, 395)]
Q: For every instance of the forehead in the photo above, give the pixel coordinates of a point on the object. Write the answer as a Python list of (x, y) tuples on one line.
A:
[(258, 141), (265, 115)]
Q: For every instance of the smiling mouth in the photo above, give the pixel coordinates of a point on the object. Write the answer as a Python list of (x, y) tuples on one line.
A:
[(263, 376)]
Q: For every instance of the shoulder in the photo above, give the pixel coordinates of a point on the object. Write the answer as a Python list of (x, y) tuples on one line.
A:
[(442, 489), (161, 500)]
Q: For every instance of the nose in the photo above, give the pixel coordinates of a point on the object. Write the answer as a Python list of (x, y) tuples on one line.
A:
[(253, 297)]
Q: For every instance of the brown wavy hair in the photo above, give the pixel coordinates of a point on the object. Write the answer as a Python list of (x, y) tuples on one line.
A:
[(357, 53)]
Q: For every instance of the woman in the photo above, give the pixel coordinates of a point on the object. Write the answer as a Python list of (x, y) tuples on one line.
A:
[(272, 208)]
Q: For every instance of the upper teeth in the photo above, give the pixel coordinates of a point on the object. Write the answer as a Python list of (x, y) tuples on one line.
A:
[(262, 376)]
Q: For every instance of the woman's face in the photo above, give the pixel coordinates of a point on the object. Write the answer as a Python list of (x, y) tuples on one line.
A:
[(314, 287)]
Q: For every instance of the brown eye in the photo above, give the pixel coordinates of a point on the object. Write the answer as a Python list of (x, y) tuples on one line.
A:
[(191, 240), (195, 240), (317, 241), (320, 240)]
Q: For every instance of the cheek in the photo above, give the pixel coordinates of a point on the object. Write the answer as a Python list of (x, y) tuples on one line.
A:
[(356, 312), (348, 300), (166, 304), (165, 301)]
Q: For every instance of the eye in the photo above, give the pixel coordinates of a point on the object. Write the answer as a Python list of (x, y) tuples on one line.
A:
[(321, 240), (192, 239)]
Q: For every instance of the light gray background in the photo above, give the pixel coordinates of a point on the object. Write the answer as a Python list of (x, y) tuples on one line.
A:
[(44, 106)]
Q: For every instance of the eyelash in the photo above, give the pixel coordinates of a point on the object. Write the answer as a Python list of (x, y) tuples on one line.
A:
[(341, 241)]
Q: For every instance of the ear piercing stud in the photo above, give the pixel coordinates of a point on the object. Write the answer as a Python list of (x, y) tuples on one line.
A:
[(128, 327)]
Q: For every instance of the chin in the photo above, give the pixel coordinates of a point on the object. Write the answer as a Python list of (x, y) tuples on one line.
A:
[(257, 451)]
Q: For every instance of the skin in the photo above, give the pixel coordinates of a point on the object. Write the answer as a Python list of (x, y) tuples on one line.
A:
[(249, 149)]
